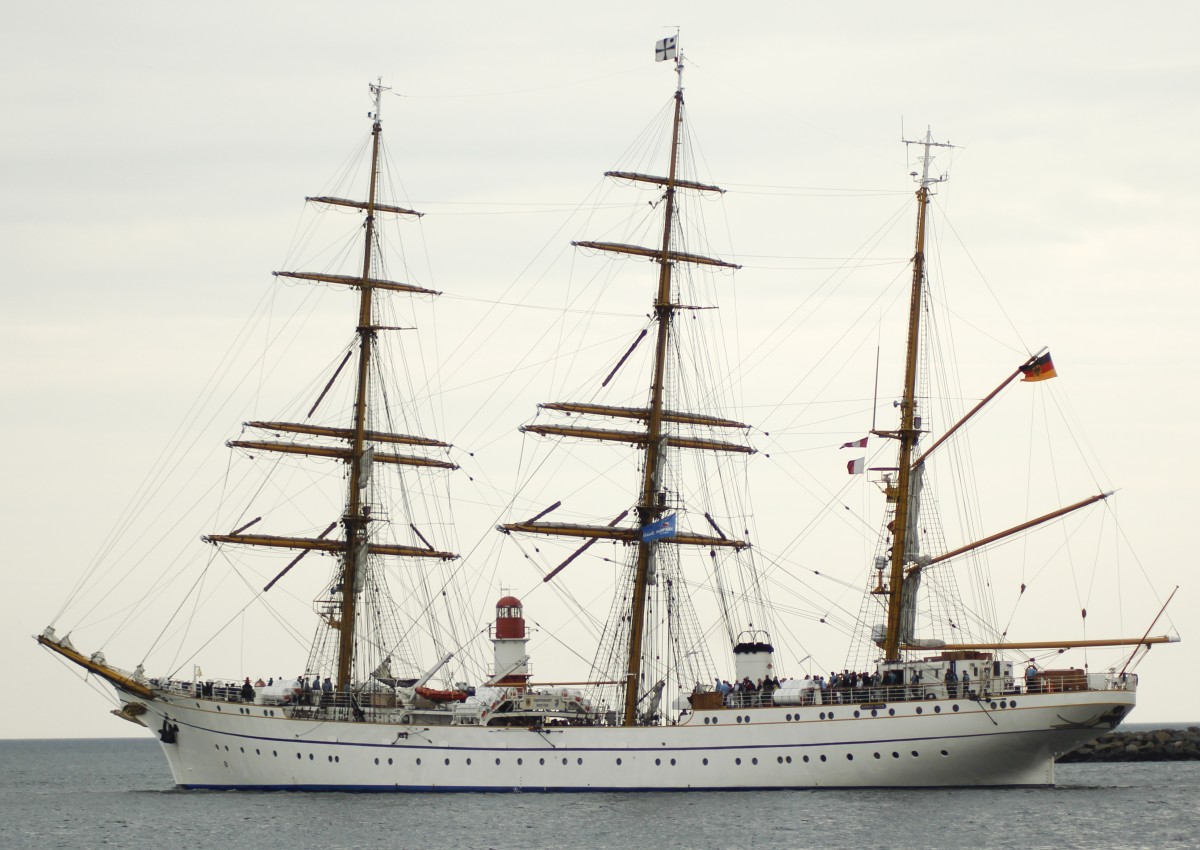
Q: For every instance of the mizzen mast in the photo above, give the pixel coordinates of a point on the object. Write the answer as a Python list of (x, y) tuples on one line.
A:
[(909, 432)]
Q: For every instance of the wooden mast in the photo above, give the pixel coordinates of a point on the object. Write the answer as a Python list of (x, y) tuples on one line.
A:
[(355, 520), (648, 508), (908, 433)]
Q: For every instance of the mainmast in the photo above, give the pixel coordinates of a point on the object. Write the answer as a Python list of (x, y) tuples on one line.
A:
[(654, 438), (648, 508), (909, 432)]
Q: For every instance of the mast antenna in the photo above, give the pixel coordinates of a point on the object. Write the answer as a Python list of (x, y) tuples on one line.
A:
[(927, 158), (377, 90)]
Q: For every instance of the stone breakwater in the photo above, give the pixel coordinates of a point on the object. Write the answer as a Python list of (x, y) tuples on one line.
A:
[(1156, 745)]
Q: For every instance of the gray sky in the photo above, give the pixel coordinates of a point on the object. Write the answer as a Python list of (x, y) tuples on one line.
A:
[(155, 161)]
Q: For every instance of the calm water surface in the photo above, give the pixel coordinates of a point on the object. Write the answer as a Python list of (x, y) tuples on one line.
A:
[(118, 793)]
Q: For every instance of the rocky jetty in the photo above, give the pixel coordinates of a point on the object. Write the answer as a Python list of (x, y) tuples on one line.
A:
[(1155, 745)]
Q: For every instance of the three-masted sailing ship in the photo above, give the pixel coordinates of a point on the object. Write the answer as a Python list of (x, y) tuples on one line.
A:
[(654, 712)]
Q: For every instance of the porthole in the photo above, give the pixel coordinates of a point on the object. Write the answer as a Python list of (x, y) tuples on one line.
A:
[(822, 758), (226, 748), (895, 755), (877, 755), (706, 721), (520, 762), (657, 762), (331, 759), (310, 756), (256, 752), (789, 717), (337, 759), (806, 759), (994, 705), (705, 762), (541, 761), (789, 759), (447, 762), (618, 762), (1012, 703), (945, 753), (580, 761), (218, 746), (218, 708), (672, 762), (275, 753), (915, 754), (779, 759), (737, 761), (716, 720), (920, 710), (857, 713), (564, 761), (242, 749), (891, 712), (822, 715), (468, 761), (937, 709), (1003, 704), (754, 761), (376, 761), (849, 756), (831, 715), (874, 713), (954, 707), (739, 720), (747, 718), (497, 762)]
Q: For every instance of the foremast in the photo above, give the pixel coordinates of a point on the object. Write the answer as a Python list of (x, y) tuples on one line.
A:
[(651, 506), (358, 454)]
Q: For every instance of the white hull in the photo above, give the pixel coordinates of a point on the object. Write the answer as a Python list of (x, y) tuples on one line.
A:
[(257, 747)]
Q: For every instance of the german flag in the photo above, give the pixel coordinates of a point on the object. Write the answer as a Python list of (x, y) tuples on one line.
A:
[(1039, 369)]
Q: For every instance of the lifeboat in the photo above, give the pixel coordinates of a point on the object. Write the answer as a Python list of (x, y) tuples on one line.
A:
[(434, 695)]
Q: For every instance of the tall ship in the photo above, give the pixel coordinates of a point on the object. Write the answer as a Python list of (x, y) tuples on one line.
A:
[(407, 687)]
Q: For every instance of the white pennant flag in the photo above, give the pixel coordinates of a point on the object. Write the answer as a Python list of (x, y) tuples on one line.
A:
[(665, 49)]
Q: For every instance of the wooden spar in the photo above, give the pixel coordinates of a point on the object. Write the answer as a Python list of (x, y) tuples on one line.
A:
[(359, 205), (542, 513), (343, 454), (634, 437), (275, 541), (643, 414), (109, 674), (298, 558), (1000, 535), (663, 256), (329, 384), (1044, 644), (587, 545), (1148, 628), (624, 357), (626, 535), (347, 434), (983, 402), (351, 280), (662, 181)]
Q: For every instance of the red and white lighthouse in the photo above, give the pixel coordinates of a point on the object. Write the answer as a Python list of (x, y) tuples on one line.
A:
[(508, 637)]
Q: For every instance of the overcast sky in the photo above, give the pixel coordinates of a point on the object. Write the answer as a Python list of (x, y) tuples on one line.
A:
[(154, 161)]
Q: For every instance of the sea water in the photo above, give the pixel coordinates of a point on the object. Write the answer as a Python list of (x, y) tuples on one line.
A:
[(118, 793)]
